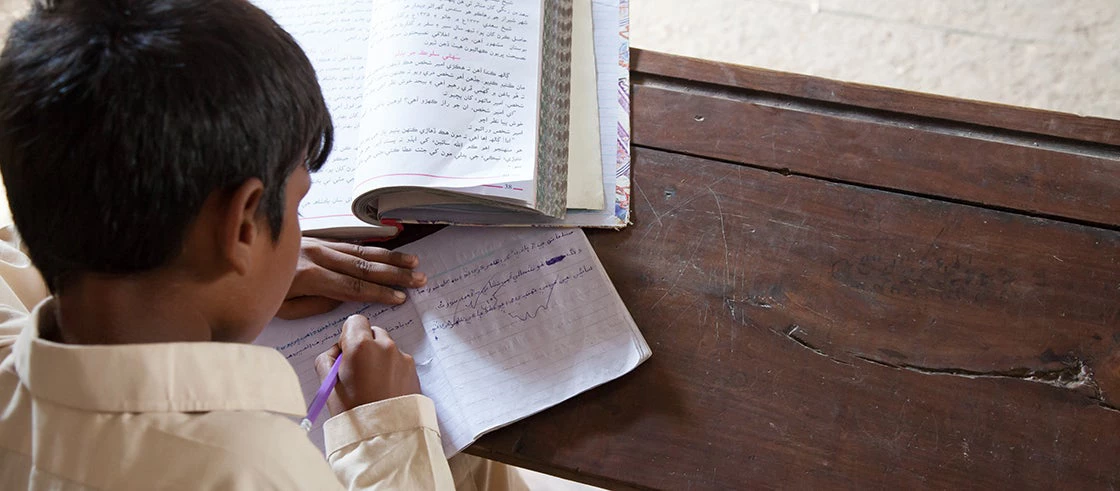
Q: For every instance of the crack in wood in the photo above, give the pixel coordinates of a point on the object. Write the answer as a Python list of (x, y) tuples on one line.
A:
[(790, 333), (1102, 403), (1075, 375)]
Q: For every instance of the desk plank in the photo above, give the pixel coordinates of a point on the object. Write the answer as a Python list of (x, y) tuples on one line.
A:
[(813, 333), (1076, 181), (1019, 119)]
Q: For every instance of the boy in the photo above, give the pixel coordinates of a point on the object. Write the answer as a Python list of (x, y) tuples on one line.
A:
[(155, 154)]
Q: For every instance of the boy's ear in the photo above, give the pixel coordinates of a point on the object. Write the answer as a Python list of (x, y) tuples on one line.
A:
[(241, 224)]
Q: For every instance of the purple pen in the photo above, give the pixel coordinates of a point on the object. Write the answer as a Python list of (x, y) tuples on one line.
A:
[(321, 396)]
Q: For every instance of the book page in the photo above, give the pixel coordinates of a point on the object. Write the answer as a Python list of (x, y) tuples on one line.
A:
[(585, 164), (450, 98), (611, 30), (334, 36), (511, 322), (612, 51)]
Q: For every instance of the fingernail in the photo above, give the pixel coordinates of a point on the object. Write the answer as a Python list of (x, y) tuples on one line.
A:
[(418, 277), (411, 259), (399, 295)]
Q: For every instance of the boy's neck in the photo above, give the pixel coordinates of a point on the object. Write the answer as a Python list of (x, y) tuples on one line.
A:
[(129, 310)]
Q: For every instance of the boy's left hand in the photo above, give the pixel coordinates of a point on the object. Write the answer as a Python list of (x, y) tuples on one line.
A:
[(329, 273)]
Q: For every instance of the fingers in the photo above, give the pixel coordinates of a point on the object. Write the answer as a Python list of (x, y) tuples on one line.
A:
[(372, 367), (325, 360), (350, 289), (356, 332), (382, 338), (375, 254), (369, 263), (323, 364), (300, 307), (358, 274)]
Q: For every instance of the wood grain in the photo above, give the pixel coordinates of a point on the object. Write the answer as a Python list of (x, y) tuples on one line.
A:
[(1034, 121), (969, 164), (808, 333)]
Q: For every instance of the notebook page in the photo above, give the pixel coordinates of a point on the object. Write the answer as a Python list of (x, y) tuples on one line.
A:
[(451, 91), (333, 35), (519, 320), (514, 321)]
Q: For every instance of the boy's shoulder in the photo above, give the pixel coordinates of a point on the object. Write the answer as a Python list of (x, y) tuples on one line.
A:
[(239, 449), (157, 450)]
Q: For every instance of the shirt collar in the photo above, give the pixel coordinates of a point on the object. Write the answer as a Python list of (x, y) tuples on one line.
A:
[(157, 377)]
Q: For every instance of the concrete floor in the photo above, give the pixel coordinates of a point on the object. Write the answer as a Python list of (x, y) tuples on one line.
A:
[(1062, 56)]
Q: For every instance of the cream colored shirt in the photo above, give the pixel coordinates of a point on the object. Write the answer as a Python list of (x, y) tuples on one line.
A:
[(182, 415)]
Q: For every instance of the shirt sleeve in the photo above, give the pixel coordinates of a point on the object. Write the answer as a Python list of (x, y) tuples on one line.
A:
[(21, 285), (391, 444)]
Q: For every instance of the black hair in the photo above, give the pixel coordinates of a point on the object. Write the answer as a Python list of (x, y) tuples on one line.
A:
[(118, 118)]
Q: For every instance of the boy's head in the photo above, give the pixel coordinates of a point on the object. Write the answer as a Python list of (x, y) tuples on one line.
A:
[(119, 119)]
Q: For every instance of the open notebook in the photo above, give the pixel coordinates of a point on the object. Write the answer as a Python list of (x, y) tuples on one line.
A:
[(511, 322)]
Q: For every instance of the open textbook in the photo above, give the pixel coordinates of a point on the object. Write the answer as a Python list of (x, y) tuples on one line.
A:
[(511, 322), (430, 127)]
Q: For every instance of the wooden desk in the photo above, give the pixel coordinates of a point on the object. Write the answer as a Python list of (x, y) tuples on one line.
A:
[(847, 286)]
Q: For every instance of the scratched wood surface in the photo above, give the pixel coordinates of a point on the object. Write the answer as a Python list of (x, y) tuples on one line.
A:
[(816, 330)]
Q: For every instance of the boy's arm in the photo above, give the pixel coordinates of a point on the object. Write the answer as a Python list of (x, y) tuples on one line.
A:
[(391, 444), (385, 433)]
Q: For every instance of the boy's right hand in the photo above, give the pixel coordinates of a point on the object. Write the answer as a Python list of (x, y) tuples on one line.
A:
[(373, 368)]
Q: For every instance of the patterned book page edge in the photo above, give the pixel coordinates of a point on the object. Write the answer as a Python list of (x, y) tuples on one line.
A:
[(622, 175)]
